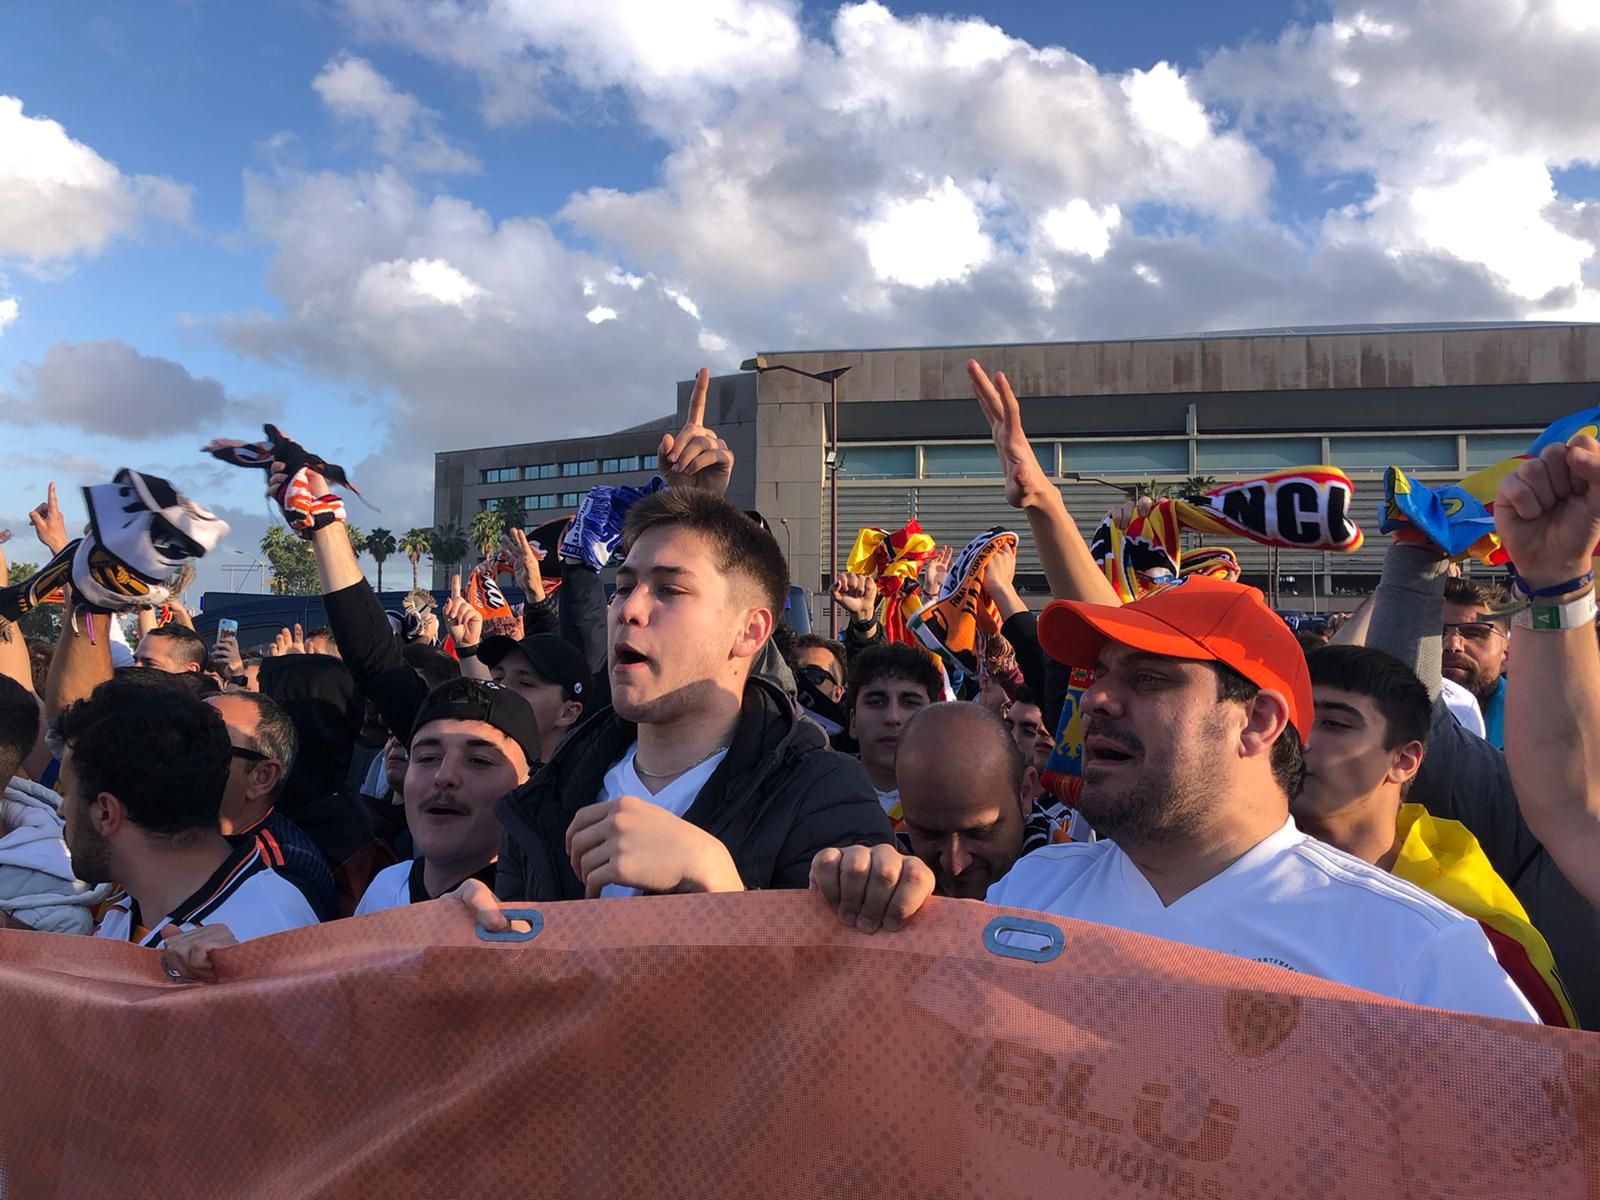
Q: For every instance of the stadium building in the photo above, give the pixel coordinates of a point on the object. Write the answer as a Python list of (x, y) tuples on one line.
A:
[(1104, 417)]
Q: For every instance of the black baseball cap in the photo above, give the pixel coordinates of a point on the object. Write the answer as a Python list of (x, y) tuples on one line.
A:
[(551, 656), (481, 700)]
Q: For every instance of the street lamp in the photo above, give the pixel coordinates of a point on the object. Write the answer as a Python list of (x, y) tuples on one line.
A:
[(761, 366), (256, 565), (1132, 489)]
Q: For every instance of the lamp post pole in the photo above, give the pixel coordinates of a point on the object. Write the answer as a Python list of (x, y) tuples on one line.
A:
[(760, 366)]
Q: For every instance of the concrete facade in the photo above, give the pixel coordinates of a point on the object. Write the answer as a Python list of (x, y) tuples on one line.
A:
[(1220, 405)]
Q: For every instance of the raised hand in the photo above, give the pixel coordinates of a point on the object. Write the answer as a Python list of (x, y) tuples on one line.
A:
[(1000, 574), (525, 564), (1547, 513), (225, 658), (464, 622), (1026, 483), (49, 524), (936, 569), (857, 595), (289, 642), (696, 457)]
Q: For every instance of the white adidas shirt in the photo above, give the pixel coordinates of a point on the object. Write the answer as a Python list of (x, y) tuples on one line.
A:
[(623, 780), (1291, 901), (244, 894)]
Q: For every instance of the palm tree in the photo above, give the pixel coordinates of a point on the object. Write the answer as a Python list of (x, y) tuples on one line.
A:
[(485, 531), (358, 540), (414, 544), (1196, 484), (512, 512), (380, 544), (450, 544)]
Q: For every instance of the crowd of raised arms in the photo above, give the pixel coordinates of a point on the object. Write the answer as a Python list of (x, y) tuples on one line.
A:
[(1410, 806)]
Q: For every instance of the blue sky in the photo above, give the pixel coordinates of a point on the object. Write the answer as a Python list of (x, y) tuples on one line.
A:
[(397, 227)]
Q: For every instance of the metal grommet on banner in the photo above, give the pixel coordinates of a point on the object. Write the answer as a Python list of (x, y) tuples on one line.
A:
[(530, 915), (1055, 941)]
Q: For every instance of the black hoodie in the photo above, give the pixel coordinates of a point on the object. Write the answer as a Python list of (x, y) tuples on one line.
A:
[(778, 797)]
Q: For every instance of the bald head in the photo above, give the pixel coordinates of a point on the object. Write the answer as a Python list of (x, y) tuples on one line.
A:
[(965, 792), (988, 751)]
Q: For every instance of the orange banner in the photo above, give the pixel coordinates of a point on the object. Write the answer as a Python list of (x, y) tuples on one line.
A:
[(748, 1046)]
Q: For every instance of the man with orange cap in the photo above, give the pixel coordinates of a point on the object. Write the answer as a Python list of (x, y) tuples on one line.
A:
[(1193, 733)]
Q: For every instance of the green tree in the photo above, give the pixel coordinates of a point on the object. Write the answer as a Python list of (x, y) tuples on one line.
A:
[(358, 540), (294, 567), (414, 544), (512, 512), (43, 622), (380, 545), (450, 545), (1196, 484), (485, 531)]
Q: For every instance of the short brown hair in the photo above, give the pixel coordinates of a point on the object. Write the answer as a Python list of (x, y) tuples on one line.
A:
[(739, 546), (815, 641), (1477, 594)]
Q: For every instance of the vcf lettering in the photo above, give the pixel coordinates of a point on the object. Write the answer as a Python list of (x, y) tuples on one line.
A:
[(1026, 1076)]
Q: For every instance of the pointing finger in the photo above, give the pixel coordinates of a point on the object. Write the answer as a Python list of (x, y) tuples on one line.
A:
[(697, 401), (455, 587)]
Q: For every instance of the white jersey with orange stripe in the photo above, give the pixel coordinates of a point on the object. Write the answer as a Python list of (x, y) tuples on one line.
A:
[(244, 893)]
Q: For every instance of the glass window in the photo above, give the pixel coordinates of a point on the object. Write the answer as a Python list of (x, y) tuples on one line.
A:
[(651, 462), (945, 462), (569, 469), (542, 471), (1486, 449), (1256, 454), (608, 464), (1140, 458), (570, 499), (880, 462), (1375, 454), (501, 475), (631, 463)]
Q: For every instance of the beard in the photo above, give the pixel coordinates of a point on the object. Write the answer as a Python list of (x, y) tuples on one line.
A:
[(1481, 681), (91, 854), (1163, 799)]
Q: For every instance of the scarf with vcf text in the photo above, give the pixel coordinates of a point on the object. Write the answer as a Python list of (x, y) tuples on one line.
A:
[(1305, 508), (304, 509), (141, 531), (1458, 518), (893, 560), (955, 625)]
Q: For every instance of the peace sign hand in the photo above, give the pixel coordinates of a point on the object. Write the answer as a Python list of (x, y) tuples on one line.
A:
[(696, 457), (1027, 486)]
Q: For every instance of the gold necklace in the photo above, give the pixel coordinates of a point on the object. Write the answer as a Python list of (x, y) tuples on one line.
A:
[(680, 770)]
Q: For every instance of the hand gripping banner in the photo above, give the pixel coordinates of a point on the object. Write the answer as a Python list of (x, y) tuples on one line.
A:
[(749, 1046)]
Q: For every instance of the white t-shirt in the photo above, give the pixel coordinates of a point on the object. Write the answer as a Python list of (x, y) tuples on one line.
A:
[(1291, 901), (244, 894), (623, 780), (1463, 705), (890, 800), (390, 888)]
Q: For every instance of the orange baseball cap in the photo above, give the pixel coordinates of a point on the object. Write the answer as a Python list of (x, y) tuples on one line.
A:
[(1196, 618)]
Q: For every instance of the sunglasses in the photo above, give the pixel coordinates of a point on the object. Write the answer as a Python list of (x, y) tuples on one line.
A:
[(249, 756), (1474, 631), (819, 676)]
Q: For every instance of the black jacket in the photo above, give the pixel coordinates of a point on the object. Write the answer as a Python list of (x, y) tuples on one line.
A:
[(777, 798)]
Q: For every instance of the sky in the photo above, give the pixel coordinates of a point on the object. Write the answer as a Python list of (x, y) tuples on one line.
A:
[(401, 226)]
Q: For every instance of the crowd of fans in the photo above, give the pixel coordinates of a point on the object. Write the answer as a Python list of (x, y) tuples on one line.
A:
[(1403, 801)]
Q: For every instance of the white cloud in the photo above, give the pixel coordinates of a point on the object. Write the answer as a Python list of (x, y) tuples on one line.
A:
[(673, 53), (421, 282), (600, 313), (58, 198), (934, 238), (108, 387), (1462, 112), (1077, 227), (10, 309), (406, 130)]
